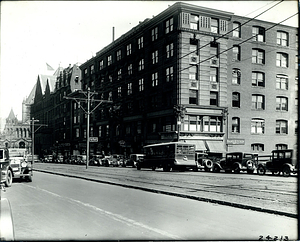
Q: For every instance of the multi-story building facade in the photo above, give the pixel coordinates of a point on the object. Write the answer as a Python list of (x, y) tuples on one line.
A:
[(198, 75), (203, 76), (262, 86), (53, 111)]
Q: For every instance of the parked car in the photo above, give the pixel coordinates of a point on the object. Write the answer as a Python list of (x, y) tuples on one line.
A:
[(60, 159), (35, 158), (203, 161), (236, 161), (281, 161), (81, 159), (21, 168), (133, 159), (74, 159), (105, 161), (96, 160), (116, 160), (48, 158)]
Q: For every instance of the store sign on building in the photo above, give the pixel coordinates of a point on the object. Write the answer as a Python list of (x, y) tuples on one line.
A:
[(93, 139), (235, 141)]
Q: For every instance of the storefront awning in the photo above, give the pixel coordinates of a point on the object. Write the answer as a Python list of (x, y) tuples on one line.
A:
[(215, 146), (200, 144)]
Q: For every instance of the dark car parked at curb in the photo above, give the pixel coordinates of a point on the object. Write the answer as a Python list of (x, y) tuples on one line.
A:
[(203, 161), (237, 162), (281, 161), (133, 159)]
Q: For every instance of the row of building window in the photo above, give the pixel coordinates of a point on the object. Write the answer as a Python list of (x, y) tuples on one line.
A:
[(258, 33), (258, 102), (258, 126), (258, 79), (258, 56), (169, 52), (258, 147), (214, 124)]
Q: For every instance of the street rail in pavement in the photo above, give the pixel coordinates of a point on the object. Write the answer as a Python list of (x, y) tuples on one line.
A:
[(269, 194)]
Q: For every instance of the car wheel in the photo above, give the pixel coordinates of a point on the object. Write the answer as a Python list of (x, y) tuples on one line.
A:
[(208, 164), (261, 170), (166, 168), (286, 171), (29, 178), (9, 178), (138, 166), (236, 169), (216, 169), (153, 168)]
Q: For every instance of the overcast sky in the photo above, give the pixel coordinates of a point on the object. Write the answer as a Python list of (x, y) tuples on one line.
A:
[(34, 33)]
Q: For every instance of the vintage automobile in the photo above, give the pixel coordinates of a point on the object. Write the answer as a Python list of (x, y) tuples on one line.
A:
[(105, 161), (81, 159), (281, 161), (6, 175), (203, 161), (133, 159), (48, 158), (96, 160), (237, 162), (20, 166), (116, 160)]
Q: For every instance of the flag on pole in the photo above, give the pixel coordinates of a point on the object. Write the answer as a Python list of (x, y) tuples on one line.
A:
[(49, 68)]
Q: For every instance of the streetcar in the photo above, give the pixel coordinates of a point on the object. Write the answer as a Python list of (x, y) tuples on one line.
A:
[(169, 156)]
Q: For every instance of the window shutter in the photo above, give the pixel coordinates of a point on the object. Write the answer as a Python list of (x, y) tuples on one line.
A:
[(223, 26), (185, 20), (204, 23)]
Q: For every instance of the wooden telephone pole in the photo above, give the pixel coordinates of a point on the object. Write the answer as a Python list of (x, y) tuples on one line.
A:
[(88, 95)]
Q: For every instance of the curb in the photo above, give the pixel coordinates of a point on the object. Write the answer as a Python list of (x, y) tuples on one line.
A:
[(236, 205)]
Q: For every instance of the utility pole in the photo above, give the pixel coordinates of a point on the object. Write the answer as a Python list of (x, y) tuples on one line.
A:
[(32, 135), (88, 112)]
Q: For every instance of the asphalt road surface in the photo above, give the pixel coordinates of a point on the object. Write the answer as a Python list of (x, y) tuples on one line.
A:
[(63, 208)]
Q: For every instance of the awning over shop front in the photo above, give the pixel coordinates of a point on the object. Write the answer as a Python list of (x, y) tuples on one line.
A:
[(215, 146), (200, 144)]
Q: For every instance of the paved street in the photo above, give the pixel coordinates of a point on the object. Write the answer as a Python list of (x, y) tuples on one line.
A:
[(274, 194), (59, 207)]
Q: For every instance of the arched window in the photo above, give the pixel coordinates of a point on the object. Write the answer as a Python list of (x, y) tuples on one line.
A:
[(281, 126), (236, 100), (258, 79), (257, 126), (257, 147), (236, 30), (282, 38), (281, 146), (281, 103), (282, 82), (258, 33), (235, 124), (236, 53), (236, 76)]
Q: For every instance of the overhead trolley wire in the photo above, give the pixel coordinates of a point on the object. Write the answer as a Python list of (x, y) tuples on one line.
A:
[(223, 35), (241, 42)]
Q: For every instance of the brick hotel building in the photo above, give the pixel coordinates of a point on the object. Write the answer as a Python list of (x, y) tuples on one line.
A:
[(203, 76)]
